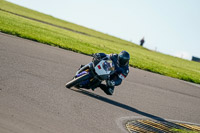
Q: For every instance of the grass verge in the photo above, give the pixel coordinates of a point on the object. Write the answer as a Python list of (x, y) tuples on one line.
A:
[(52, 31), (174, 130)]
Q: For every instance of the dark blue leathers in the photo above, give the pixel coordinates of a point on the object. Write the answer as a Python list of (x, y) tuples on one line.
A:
[(120, 73)]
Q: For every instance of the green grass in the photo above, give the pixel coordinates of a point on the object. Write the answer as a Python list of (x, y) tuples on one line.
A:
[(183, 131), (52, 20), (87, 41)]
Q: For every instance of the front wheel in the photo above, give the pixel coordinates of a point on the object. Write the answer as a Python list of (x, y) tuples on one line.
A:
[(77, 80)]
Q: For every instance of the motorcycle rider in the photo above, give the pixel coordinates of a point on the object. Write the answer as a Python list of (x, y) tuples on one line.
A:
[(121, 62)]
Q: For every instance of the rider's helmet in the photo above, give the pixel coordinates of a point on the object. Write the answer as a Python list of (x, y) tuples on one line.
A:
[(123, 58)]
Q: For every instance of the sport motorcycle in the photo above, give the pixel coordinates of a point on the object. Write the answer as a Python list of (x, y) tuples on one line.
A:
[(91, 75)]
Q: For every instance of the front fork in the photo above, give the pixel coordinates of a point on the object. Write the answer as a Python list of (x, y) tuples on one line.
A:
[(84, 70), (93, 81), (89, 66)]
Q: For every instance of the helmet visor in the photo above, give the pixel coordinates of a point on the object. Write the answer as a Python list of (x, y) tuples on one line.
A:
[(123, 61)]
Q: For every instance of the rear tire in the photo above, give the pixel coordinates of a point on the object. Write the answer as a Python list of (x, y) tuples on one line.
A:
[(75, 81)]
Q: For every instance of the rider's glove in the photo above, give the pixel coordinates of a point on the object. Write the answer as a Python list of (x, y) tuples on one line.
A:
[(97, 56), (110, 83)]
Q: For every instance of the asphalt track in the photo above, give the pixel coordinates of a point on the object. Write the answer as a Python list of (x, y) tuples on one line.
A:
[(33, 97)]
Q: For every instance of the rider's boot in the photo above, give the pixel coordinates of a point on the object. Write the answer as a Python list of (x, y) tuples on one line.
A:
[(107, 89)]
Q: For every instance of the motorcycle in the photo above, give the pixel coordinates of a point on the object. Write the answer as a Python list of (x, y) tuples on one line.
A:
[(91, 75)]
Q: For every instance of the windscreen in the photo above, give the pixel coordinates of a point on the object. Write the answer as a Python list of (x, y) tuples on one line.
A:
[(108, 65)]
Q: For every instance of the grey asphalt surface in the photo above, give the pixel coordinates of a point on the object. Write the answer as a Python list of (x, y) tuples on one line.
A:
[(33, 97)]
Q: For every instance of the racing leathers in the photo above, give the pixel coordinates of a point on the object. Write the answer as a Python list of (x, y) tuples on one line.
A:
[(116, 78)]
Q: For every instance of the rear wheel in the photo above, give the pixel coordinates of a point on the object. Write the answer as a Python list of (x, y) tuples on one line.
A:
[(77, 80)]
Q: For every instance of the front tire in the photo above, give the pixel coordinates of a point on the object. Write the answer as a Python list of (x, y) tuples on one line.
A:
[(76, 81)]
